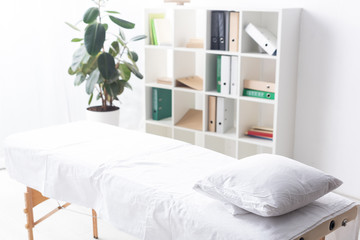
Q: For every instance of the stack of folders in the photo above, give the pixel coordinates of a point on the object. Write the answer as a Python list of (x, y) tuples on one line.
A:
[(159, 29), (227, 74), (220, 114), (161, 105), (225, 31), (259, 89), (260, 132)]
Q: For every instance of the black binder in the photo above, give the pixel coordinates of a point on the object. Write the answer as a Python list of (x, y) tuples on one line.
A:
[(218, 30)]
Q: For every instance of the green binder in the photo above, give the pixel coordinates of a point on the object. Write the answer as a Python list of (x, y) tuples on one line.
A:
[(218, 73), (258, 94), (152, 16), (161, 103)]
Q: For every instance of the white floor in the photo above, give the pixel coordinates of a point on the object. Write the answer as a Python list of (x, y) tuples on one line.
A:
[(65, 224)]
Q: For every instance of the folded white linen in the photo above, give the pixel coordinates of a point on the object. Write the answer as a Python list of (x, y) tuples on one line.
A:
[(142, 184)]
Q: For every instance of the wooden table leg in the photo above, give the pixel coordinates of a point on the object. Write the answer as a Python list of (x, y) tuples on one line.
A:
[(95, 228), (29, 213)]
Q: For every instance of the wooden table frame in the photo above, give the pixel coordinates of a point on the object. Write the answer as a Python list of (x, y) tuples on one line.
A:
[(34, 198)]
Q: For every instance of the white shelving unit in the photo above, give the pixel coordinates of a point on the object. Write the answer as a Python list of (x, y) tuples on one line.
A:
[(177, 61)]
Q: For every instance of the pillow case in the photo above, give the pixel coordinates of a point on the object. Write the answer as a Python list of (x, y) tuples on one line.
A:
[(234, 210), (267, 184)]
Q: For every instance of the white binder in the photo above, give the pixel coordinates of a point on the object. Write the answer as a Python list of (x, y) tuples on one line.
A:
[(263, 37), (163, 31), (225, 74), (224, 114), (234, 75)]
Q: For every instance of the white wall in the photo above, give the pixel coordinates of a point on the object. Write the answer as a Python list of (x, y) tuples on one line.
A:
[(36, 91)]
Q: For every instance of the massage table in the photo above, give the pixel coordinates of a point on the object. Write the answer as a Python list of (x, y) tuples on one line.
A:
[(143, 185)]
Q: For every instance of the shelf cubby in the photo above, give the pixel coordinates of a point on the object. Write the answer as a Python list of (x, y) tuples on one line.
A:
[(189, 24), (148, 109), (188, 63), (221, 145), (231, 132), (189, 136), (247, 149), (254, 114), (167, 13), (159, 64), (263, 19), (261, 69), (183, 102), (159, 130)]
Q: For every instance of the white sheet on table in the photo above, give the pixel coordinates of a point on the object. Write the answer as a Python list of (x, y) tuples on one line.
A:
[(142, 184)]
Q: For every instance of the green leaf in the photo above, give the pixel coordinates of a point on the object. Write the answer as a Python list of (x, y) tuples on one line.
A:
[(134, 70), (91, 81), (72, 26), (114, 48), (90, 99), (112, 89), (76, 39), (115, 12), (133, 56), (122, 34), (71, 72), (121, 41), (78, 57), (91, 14), (90, 65), (106, 26), (138, 38), (94, 38), (122, 23), (125, 84), (98, 96), (79, 79), (106, 64), (125, 72)]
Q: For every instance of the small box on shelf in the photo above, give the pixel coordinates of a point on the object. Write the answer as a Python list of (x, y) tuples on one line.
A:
[(192, 82)]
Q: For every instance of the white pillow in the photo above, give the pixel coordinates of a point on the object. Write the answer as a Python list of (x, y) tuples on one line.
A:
[(234, 210), (267, 184)]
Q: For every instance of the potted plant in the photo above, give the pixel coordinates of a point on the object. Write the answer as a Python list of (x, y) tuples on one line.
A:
[(104, 61)]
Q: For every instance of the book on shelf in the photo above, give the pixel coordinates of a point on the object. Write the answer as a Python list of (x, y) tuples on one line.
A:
[(255, 136), (161, 107), (259, 85), (217, 30), (162, 27), (218, 73), (234, 32), (152, 33), (225, 30), (260, 132), (212, 114), (263, 37), (233, 76), (253, 132), (227, 74), (261, 128), (258, 94), (224, 114), (192, 119), (225, 69)]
